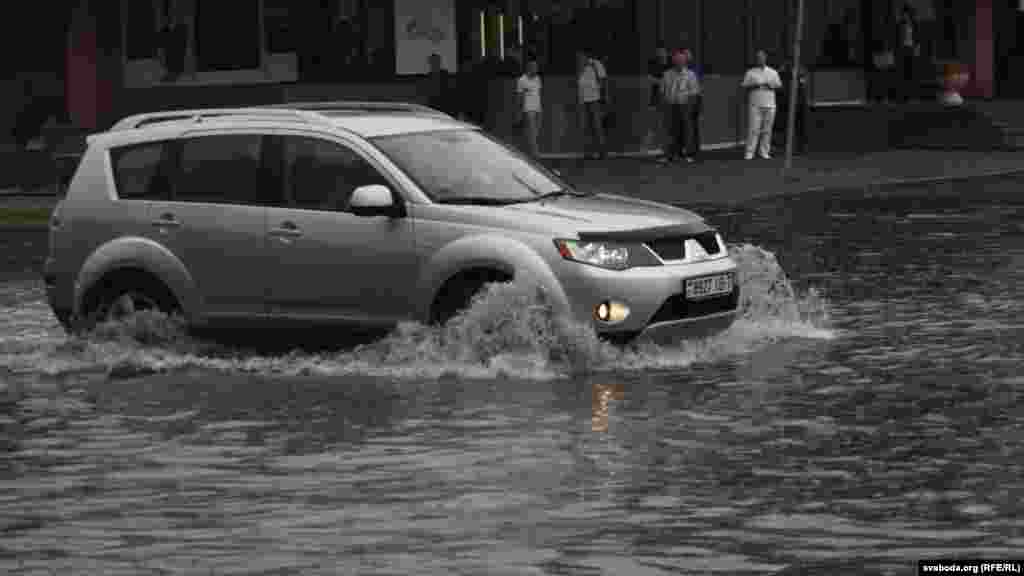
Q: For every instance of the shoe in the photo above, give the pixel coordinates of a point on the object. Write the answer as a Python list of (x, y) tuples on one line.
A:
[(689, 159), (766, 156), (748, 157)]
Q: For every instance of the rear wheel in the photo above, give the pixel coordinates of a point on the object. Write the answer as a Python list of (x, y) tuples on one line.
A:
[(124, 295)]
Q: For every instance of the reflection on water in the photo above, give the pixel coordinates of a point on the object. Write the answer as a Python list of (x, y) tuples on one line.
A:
[(853, 436), (603, 394)]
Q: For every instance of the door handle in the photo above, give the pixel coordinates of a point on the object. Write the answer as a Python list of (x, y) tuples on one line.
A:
[(167, 221), (286, 230)]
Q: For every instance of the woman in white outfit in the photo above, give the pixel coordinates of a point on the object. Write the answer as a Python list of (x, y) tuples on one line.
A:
[(528, 87), (761, 82)]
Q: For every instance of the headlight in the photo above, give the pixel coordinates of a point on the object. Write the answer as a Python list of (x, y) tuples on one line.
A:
[(603, 254)]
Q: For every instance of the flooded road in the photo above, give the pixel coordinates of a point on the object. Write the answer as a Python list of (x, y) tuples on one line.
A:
[(864, 414)]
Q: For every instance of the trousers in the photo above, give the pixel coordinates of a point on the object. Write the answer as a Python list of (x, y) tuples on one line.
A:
[(759, 129)]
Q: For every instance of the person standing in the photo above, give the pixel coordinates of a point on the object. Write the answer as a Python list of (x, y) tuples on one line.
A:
[(909, 50), (657, 111), (528, 89), (800, 113), (591, 82), (174, 43), (680, 87), (439, 87), (761, 82), (696, 108), (882, 63)]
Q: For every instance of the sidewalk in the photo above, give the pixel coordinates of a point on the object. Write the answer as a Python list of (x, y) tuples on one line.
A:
[(723, 177)]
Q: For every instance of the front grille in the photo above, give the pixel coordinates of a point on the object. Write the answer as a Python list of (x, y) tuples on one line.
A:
[(679, 308), (674, 248)]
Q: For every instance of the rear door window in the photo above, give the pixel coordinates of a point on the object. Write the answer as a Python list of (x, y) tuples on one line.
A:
[(140, 171), (226, 169)]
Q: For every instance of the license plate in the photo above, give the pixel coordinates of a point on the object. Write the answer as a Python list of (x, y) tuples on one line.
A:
[(708, 286)]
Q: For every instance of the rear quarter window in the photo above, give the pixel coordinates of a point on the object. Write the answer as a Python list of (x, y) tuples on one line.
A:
[(140, 172)]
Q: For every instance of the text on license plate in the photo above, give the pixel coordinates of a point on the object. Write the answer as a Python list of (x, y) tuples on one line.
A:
[(707, 286)]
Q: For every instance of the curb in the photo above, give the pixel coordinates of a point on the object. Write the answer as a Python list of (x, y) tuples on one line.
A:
[(920, 181), (646, 153), (876, 187)]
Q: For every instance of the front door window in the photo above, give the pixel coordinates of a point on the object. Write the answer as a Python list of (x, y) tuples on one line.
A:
[(321, 175)]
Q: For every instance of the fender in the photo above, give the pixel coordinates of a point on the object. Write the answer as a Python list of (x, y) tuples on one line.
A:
[(144, 254), (484, 250)]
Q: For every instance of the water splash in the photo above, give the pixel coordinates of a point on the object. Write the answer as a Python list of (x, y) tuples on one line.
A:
[(510, 330)]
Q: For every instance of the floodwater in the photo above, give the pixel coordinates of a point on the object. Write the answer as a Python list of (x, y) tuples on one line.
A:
[(863, 414)]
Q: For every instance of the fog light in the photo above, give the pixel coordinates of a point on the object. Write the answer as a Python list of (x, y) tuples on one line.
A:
[(611, 312)]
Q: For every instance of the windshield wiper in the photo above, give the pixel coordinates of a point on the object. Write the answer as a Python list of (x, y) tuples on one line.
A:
[(559, 193), (481, 200)]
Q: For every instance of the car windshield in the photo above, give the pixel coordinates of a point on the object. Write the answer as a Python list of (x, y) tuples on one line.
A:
[(467, 166)]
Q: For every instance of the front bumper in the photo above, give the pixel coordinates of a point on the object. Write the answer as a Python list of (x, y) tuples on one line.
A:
[(654, 295), (687, 328)]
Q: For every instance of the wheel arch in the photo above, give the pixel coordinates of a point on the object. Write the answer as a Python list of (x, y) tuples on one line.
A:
[(502, 255), (136, 256)]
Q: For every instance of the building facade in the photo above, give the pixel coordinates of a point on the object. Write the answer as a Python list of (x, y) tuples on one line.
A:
[(124, 54)]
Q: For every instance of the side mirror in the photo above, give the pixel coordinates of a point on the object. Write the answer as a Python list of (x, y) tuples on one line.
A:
[(374, 200)]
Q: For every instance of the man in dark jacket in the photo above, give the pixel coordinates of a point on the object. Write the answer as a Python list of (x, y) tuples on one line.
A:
[(657, 133), (800, 122), (174, 43), (439, 88)]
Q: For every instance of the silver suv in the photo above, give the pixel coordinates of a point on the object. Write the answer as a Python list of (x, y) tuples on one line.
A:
[(362, 214)]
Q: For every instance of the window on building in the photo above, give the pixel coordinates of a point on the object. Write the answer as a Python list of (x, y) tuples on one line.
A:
[(280, 26), (322, 175), (838, 28), (567, 33), (140, 29), (769, 29), (724, 29), (680, 25), (238, 21), (140, 171), (339, 40), (225, 169)]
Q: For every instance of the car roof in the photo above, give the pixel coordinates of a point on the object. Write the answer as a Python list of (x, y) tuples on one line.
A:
[(390, 124), (365, 119)]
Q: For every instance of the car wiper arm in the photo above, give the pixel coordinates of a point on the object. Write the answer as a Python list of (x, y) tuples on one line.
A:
[(481, 200), (560, 192)]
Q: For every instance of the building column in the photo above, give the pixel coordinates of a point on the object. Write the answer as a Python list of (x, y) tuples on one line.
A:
[(82, 82), (982, 70)]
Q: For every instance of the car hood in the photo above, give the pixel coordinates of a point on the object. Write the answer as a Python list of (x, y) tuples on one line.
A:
[(601, 215), (604, 213)]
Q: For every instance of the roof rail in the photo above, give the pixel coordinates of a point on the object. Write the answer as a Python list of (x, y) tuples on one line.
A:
[(310, 112), (198, 115), (360, 106)]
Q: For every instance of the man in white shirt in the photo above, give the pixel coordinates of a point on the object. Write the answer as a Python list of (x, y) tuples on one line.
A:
[(761, 82), (591, 81), (528, 87)]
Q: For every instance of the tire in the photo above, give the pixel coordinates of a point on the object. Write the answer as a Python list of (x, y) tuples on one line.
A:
[(457, 294), (123, 295)]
